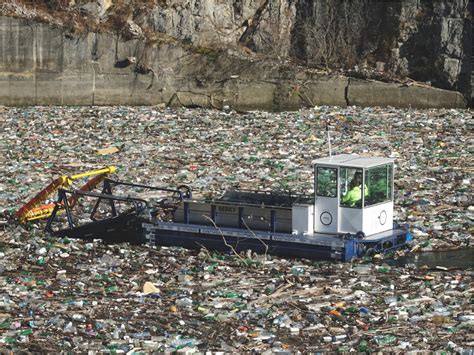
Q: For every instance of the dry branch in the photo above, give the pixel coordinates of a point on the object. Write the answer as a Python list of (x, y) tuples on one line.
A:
[(225, 241), (259, 239)]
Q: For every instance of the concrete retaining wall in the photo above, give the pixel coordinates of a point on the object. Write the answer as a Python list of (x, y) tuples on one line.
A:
[(41, 65)]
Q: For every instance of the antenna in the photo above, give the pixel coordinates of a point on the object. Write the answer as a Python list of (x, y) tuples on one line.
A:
[(329, 137)]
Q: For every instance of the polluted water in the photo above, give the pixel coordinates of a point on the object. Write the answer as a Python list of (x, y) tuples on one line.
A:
[(61, 294)]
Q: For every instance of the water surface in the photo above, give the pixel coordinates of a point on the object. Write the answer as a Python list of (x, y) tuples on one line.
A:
[(462, 259)]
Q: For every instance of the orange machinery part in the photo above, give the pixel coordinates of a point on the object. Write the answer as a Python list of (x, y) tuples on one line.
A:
[(31, 210), (43, 211)]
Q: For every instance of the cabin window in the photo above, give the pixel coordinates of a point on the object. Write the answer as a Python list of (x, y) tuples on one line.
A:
[(379, 182), (351, 187), (326, 182)]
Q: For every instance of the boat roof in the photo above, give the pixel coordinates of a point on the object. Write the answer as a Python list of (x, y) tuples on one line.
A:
[(353, 160)]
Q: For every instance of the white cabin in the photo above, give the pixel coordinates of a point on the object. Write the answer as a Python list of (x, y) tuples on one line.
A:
[(369, 207)]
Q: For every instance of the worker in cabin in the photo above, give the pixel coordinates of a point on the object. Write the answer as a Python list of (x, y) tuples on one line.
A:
[(353, 195)]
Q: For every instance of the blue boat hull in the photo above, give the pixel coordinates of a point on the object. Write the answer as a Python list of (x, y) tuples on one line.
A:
[(129, 228), (318, 247)]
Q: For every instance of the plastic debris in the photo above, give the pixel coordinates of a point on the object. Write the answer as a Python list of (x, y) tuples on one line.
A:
[(148, 288), (109, 150), (63, 295)]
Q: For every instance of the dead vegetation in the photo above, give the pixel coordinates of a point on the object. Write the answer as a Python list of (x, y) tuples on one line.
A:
[(127, 19)]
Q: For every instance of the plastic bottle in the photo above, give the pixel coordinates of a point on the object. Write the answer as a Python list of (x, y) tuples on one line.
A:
[(69, 328), (385, 339), (351, 310), (364, 347), (296, 270), (230, 294), (26, 332), (364, 312), (79, 317), (5, 324), (180, 343), (184, 302), (112, 289)]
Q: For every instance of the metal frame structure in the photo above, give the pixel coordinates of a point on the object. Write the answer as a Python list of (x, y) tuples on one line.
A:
[(138, 225), (118, 227), (33, 210), (266, 222)]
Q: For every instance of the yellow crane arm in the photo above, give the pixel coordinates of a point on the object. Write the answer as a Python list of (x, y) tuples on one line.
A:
[(33, 210)]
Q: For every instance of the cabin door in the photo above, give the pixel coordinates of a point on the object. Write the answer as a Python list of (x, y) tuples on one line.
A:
[(326, 201)]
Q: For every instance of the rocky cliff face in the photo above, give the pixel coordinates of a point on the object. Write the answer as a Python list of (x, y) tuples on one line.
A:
[(402, 34), (425, 41)]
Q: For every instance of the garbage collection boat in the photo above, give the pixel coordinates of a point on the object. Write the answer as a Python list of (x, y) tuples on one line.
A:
[(350, 215)]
